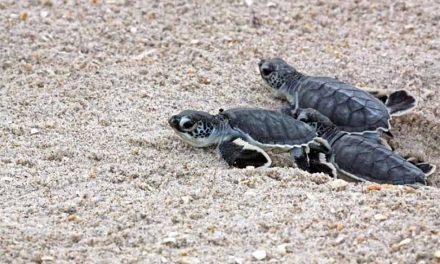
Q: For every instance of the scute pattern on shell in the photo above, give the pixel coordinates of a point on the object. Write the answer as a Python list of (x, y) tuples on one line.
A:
[(374, 162), (270, 127), (351, 109)]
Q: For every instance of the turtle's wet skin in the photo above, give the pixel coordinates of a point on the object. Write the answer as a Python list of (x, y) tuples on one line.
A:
[(357, 158), (348, 107), (243, 135)]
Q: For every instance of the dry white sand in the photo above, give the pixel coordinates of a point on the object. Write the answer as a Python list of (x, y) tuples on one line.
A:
[(91, 172)]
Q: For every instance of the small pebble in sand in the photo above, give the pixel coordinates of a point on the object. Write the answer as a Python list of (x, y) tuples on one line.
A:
[(339, 240), (34, 131), (188, 260), (380, 217), (259, 254), (250, 193), (204, 80), (374, 187), (135, 151), (338, 184), (339, 227), (72, 217), (24, 16), (27, 66), (44, 14), (186, 199), (404, 242), (93, 172), (16, 130), (283, 249), (249, 2), (437, 254), (116, 2), (47, 258), (170, 241), (46, 2), (235, 260)]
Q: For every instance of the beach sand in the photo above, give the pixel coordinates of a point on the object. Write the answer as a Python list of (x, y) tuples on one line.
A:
[(90, 171)]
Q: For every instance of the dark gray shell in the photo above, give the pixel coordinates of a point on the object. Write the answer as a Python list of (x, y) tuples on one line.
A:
[(269, 127), (373, 162), (351, 109)]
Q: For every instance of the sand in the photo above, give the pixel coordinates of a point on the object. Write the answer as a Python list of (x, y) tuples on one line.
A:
[(90, 172)]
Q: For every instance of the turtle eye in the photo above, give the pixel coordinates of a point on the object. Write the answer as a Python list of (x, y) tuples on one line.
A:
[(266, 71), (301, 116), (188, 124)]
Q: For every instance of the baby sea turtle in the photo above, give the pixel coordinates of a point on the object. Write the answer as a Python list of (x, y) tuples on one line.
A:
[(348, 107), (354, 157), (243, 135)]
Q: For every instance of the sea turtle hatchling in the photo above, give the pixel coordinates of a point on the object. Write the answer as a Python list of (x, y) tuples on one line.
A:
[(354, 157), (243, 135), (350, 108)]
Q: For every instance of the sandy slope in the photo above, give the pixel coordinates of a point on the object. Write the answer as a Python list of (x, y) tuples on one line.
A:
[(90, 171)]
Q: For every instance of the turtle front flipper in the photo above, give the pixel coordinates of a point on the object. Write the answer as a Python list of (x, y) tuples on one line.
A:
[(241, 154), (320, 156), (299, 154), (320, 162), (316, 157)]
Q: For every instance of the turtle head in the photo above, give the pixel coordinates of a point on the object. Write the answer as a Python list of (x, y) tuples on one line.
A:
[(275, 73), (197, 128), (313, 118)]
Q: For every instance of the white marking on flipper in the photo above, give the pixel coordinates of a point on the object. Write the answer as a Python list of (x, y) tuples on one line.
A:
[(322, 141), (246, 146), (323, 160), (401, 113), (433, 169)]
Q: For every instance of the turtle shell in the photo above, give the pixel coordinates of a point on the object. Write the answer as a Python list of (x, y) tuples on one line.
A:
[(269, 127), (372, 162), (348, 107)]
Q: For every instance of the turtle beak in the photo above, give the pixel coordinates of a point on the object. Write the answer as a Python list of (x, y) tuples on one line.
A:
[(174, 121)]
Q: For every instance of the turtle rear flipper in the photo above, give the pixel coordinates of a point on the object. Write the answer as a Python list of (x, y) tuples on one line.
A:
[(400, 102), (427, 168), (241, 154), (397, 103)]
